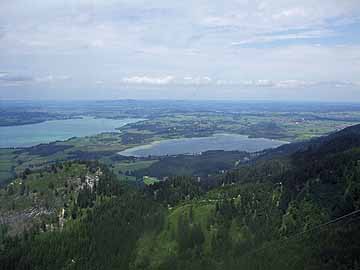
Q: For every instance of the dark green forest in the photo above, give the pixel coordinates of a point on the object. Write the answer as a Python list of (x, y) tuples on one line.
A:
[(288, 209)]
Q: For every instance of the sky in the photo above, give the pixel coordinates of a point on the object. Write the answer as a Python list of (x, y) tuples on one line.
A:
[(188, 49)]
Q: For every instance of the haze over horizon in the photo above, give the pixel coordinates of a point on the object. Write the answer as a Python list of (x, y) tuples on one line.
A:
[(238, 50)]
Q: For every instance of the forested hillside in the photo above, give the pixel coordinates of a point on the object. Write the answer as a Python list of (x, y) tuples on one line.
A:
[(296, 210)]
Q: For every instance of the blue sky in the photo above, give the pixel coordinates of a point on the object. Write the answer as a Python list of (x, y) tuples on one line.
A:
[(113, 49)]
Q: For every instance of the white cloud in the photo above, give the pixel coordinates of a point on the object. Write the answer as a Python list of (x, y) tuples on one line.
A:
[(260, 83), (148, 80), (312, 34), (297, 12), (51, 78), (293, 84), (264, 44), (190, 80), (297, 84)]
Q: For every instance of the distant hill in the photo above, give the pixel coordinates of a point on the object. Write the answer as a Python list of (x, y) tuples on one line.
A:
[(207, 163), (334, 142)]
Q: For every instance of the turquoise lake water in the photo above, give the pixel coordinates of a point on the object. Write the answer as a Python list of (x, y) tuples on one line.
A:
[(57, 130), (228, 142)]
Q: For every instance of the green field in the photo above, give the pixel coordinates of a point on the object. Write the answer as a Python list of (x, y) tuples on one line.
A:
[(150, 180), (287, 126)]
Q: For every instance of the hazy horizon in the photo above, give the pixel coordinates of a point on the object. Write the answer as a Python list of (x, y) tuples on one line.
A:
[(240, 101)]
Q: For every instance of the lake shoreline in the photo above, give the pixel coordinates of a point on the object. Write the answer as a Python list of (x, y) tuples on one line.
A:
[(55, 131), (212, 145)]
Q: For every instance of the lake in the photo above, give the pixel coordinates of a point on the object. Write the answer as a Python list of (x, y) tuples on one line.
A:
[(57, 130), (227, 142)]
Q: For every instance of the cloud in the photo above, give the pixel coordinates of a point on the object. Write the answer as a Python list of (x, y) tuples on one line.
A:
[(213, 82), (300, 35), (263, 83), (3, 74), (8, 79), (202, 80), (298, 84), (276, 44), (271, 16), (148, 80), (173, 80), (133, 25), (52, 78)]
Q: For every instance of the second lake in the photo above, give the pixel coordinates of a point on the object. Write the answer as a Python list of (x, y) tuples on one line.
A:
[(227, 142)]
